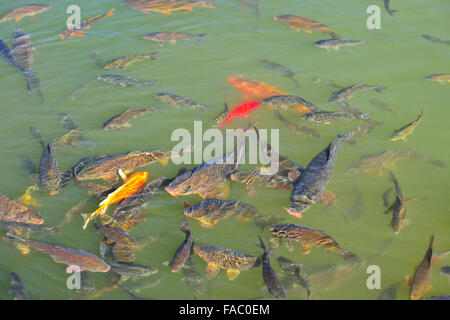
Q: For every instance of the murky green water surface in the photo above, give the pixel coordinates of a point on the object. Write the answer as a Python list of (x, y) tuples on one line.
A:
[(396, 56)]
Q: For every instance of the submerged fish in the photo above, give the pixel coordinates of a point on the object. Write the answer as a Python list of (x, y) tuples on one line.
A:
[(121, 63), (361, 131), (295, 273), (312, 182), (208, 180), (86, 261), (122, 120), (403, 132), (86, 24), (328, 117), (439, 77), (270, 277), (67, 122), (106, 168), (310, 238), (300, 130), (5, 52), (219, 258), (23, 53), (132, 270), (445, 271), (193, 278), (335, 44), (17, 287), (419, 283), (172, 37), (387, 6), (253, 90), (398, 208), (124, 81), (349, 91), (290, 101), (285, 71), (49, 174), (130, 186), (219, 119), (307, 25), (122, 254), (241, 111), (375, 162), (118, 236), (165, 6), (436, 40), (183, 252), (30, 227), (24, 11), (179, 101), (210, 211), (381, 105), (69, 139)]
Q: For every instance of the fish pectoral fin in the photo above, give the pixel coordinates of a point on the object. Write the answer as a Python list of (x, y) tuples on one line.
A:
[(306, 249), (220, 192), (408, 280), (211, 271), (307, 30), (172, 41), (232, 274), (428, 288)]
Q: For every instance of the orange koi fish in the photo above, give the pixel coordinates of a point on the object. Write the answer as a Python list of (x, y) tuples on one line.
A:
[(86, 24), (131, 186), (251, 89), (242, 111)]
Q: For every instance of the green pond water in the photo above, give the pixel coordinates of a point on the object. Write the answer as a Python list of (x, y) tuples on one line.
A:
[(395, 56)]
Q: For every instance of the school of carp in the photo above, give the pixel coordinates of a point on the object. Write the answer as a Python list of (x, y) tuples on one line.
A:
[(120, 187)]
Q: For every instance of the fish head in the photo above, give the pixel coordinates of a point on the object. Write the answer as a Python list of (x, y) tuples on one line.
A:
[(182, 185), (189, 211)]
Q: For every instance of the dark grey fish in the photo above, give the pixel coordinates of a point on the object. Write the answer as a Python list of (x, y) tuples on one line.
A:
[(87, 284), (132, 295), (124, 81), (17, 287), (295, 274), (179, 101), (49, 174), (285, 71), (398, 208), (349, 91), (193, 278), (23, 53), (335, 44), (387, 6), (381, 105), (435, 40), (183, 252), (5, 52), (270, 277), (300, 130), (312, 182), (37, 136)]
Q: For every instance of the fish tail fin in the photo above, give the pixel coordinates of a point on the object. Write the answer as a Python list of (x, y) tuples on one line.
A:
[(93, 215), (149, 83), (201, 36), (349, 256), (261, 243), (110, 12), (429, 254)]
